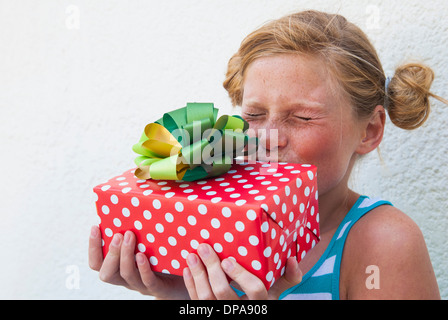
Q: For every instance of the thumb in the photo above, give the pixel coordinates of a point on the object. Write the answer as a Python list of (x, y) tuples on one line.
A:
[(291, 277)]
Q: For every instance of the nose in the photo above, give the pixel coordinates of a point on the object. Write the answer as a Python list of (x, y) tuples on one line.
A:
[(272, 138)]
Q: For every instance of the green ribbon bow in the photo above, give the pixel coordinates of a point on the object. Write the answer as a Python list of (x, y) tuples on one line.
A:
[(190, 144)]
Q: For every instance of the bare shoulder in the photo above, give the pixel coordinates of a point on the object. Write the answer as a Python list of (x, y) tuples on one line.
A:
[(389, 242)]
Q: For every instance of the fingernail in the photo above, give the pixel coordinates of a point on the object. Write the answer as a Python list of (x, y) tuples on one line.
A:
[(127, 237), (192, 260), (93, 232), (116, 240), (227, 265), (139, 258), (203, 251)]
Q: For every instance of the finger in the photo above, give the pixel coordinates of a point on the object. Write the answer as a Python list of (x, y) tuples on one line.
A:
[(110, 268), (148, 277), (128, 269), (200, 278), (95, 249), (217, 277), (189, 284), (250, 284), (291, 277)]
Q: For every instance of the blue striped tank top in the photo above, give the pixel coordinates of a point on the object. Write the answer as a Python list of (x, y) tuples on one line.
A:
[(322, 281)]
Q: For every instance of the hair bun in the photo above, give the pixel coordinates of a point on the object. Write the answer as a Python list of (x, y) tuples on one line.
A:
[(408, 95)]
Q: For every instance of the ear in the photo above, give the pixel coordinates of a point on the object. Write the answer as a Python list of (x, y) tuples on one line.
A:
[(373, 131)]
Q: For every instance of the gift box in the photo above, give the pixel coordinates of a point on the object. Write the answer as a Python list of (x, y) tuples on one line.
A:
[(257, 213)]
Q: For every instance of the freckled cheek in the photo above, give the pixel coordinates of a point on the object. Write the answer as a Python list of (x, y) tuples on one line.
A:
[(325, 154)]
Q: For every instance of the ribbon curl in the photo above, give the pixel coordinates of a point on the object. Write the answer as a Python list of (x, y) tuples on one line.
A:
[(191, 144)]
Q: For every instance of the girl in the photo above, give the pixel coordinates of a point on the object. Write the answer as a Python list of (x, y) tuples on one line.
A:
[(317, 79)]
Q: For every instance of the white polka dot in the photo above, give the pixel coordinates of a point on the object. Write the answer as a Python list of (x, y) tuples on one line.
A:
[(172, 241), (147, 192), (260, 198), (194, 244), (269, 276), (239, 226), (215, 223), (105, 209), (163, 251), (276, 199), (114, 199), (105, 188), (276, 257), (138, 225), (273, 234), (211, 193), (310, 175), (254, 191), (242, 251), (147, 214), (192, 197), (205, 234), (191, 220), (108, 232), (226, 212), (169, 217), (291, 216), (240, 202), (202, 209), (251, 215), (298, 182), (218, 247), (248, 186), (265, 227), (153, 260), (284, 207), (256, 265), (160, 228), (175, 264), (273, 188), (228, 237), (144, 186), (184, 253), (150, 237), (307, 191), (179, 206), (181, 231), (302, 207), (188, 190), (216, 199), (126, 212), (169, 195), (267, 252), (229, 189), (253, 240), (283, 179), (117, 222), (126, 190), (156, 204), (141, 247)]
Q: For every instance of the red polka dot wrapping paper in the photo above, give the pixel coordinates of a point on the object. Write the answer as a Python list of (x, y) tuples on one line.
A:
[(259, 213)]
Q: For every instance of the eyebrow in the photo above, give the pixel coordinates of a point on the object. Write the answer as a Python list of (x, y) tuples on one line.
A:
[(303, 104)]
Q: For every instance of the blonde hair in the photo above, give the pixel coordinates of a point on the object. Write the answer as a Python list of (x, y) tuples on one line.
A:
[(351, 59)]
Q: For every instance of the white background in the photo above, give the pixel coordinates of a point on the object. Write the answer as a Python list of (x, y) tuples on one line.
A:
[(80, 79)]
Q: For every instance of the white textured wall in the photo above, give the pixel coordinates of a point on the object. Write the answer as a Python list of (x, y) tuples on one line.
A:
[(80, 79)]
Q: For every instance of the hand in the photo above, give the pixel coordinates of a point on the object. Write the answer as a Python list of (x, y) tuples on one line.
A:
[(205, 278), (120, 268)]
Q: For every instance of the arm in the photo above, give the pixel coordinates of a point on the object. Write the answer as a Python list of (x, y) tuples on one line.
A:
[(393, 246)]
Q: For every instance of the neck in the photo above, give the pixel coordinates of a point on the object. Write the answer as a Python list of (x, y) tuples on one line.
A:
[(335, 204)]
